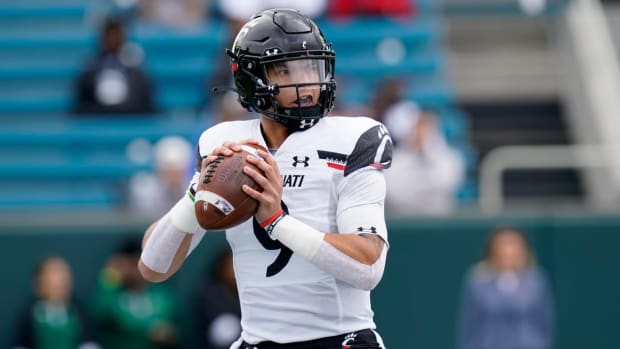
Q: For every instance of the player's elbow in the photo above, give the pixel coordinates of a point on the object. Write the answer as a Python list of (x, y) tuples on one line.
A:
[(366, 278), (370, 281), (149, 275), (372, 274), (370, 287)]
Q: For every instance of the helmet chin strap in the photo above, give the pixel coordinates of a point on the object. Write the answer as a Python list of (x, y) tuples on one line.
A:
[(301, 112)]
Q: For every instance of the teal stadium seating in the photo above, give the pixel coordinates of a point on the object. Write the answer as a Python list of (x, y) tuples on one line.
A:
[(76, 163), (48, 158)]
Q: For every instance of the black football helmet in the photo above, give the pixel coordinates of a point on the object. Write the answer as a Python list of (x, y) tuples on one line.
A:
[(283, 38)]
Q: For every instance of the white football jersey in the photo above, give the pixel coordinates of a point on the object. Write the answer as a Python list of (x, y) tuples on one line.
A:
[(285, 298)]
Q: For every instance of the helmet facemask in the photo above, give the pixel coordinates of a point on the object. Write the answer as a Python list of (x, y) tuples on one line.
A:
[(299, 91)]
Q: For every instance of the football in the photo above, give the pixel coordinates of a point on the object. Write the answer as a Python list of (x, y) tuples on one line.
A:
[(220, 203)]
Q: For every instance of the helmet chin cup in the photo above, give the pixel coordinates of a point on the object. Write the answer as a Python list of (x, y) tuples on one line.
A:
[(297, 119)]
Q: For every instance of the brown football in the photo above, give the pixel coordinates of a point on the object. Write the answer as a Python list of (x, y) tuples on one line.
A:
[(220, 203)]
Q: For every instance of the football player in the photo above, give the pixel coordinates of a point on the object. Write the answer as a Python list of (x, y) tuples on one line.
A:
[(307, 261)]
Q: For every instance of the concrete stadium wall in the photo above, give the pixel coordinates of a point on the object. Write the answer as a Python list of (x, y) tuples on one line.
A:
[(417, 302)]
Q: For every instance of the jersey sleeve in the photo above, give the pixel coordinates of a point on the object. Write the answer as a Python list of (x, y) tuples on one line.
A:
[(206, 143), (193, 182), (361, 204), (373, 148), (199, 158)]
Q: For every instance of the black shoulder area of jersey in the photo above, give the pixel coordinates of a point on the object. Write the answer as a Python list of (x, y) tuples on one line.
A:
[(373, 148)]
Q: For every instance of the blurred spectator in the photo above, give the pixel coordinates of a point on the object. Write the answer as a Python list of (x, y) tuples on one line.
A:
[(387, 93), (152, 194), (218, 313), (132, 313), (426, 173), (174, 13), (53, 320), (229, 109), (225, 108), (371, 8), (96, 12), (243, 10), (507, 301), (113, 82)]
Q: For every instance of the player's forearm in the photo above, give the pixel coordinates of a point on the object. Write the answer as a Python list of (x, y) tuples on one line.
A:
[(356, 260), (153, 276), (345, 268), (168, 242), (179, 255), (365, 248)]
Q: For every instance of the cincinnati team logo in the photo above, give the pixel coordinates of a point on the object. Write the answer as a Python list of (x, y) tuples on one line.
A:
[(348, 339)]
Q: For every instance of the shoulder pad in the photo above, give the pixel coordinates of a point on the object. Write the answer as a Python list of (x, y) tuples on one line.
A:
[(373, 148)]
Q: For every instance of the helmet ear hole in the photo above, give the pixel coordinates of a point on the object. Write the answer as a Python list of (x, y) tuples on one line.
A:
[(246, 63)]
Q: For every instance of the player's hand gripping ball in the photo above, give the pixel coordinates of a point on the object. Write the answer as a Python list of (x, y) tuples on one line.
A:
[(220, 203)]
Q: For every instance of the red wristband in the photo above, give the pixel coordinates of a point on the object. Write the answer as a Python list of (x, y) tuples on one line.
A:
[(272, 218)]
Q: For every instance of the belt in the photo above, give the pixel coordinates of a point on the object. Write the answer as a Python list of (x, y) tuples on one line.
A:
[(355, 340)]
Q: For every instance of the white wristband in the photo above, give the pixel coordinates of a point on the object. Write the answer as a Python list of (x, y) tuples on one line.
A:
[(298, 236), (183, 216)]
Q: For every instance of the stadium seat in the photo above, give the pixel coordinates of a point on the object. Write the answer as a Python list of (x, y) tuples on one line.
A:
[(85, 162)]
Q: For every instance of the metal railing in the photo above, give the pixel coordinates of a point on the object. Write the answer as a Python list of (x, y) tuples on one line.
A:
[(528, 157)]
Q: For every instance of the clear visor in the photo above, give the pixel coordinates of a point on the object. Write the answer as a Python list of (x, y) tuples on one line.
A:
[(299, 71)]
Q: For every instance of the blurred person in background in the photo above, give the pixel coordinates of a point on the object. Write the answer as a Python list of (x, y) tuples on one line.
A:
[(53, 319), (387, 93), (345, 8), (130, 312), (151, 194), (113, 82), (427, 172), (239, 11), (225, 108), (175, 13), (218, 312), (507, 300)]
